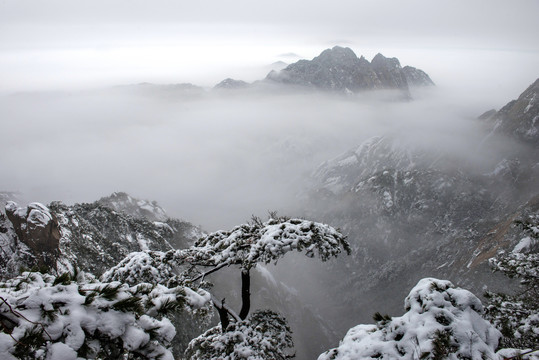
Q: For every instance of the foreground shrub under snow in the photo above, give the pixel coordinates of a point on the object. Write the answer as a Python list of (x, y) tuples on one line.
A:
[(441, 322), (264, 335), (47, 317)]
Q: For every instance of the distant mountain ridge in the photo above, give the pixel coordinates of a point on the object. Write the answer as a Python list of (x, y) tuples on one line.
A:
[(121, 201), (339, 69), (335, 70)]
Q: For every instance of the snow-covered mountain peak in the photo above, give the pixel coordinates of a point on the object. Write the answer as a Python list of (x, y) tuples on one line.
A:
[(416, 77), (229, 83), (123, 202), (337, 55), (339, 69), (380, 60)]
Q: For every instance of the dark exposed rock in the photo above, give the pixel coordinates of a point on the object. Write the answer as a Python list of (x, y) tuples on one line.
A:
[(14, 254), (37, 227), (487, 114), (390, 72), (416, 77), (520, 117)]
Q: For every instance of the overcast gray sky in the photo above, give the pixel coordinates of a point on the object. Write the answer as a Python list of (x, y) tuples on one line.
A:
[(65, 43)]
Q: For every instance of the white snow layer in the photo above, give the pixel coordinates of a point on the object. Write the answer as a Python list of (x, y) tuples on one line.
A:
[(524, 244), (76, 314), (435, 308)]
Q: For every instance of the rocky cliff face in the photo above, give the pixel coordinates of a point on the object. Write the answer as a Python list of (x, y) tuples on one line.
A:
[(37, 228), (519, 118), (411, 213), (92, 237), (339, 69), (14, 253), (517, 126), (416, 77)]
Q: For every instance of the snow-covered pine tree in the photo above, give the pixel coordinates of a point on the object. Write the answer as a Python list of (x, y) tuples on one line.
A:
[(244, 246), (264, 242)]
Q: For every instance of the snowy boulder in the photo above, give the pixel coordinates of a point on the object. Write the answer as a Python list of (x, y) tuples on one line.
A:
[(36, 226), (441, 321)]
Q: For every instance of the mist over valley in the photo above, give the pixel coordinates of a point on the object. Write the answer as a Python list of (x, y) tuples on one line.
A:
[(181, 185)]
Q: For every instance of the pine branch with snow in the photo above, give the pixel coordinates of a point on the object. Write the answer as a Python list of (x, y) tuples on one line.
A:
[(244, 246), (517, 315), (48, 317), (166, 268), (265, 242)]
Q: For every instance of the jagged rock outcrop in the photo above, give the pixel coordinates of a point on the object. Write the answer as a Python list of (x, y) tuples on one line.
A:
[(374, 155), (14, 254), (37, 227), (144, 209), (92, 237), (416, 77), (389, 71), (339, 69), (179, 233), (520, 117), (391, 197), (95, 237)]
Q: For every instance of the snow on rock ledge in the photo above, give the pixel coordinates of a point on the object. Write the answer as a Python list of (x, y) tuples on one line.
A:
[(441, 320)]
